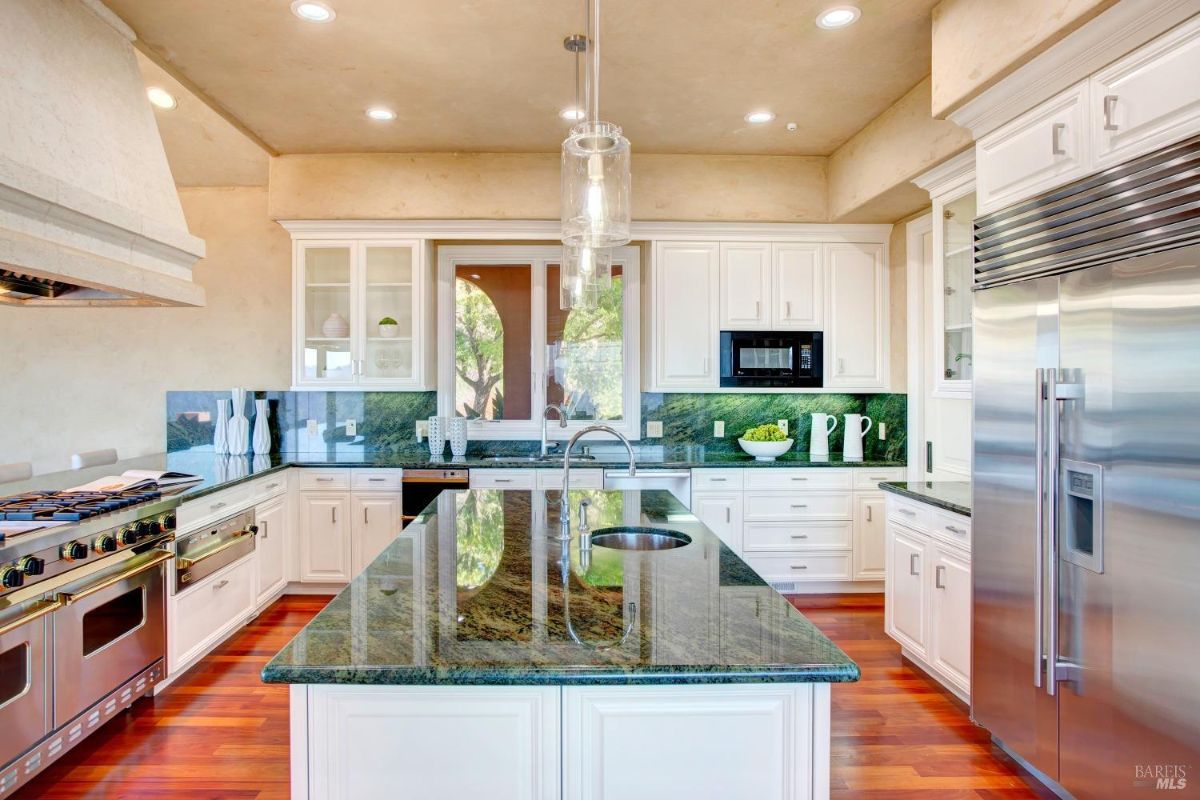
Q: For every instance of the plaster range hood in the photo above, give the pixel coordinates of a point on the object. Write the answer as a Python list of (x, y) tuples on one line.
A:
[(89, 214)]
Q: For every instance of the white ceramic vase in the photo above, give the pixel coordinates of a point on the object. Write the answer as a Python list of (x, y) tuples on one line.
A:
[(238, 433), (458, 436), (335, 326), (856, 427), (818, 440), (221, 428), (261, 440), (389, 331), (437, 436)]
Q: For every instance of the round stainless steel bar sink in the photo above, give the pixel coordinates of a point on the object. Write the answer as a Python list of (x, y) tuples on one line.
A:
[(631, 538)]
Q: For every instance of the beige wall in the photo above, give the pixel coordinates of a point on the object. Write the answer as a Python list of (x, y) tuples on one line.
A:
[(93, 378), (870, 175), (526, 186), (978, 42)]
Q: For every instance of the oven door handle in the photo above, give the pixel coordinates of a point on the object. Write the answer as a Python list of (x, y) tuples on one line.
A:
[(159, 557), (35, 612), (187, 563)]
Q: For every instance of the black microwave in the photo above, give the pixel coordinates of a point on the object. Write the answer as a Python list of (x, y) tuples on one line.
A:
[(778, 359)]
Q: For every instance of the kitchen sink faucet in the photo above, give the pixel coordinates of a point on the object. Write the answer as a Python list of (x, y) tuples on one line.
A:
[(564, 512), (562, 423)]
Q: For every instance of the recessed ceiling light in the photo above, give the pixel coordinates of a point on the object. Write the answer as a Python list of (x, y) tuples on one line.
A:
[(572, 114), (381, 114), (760, 117), (838, 17), (313, 11), (161, 98)]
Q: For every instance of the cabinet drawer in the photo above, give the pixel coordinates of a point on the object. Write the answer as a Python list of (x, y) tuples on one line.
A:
[(776, 536), (371, 479), (195, 513), (814, 566), (772, 506), (716, 480), (950, 526), (909, 512), (502, 479), (868, 480), (210, 608), (270, 486), (309, 479), (798, 480), (580, 478)]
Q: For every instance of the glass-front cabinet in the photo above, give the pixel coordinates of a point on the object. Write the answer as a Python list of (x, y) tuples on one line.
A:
[(359, 320)]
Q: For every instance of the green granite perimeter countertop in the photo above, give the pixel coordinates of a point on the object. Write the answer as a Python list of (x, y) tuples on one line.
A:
[(951, 495), (475, 591)]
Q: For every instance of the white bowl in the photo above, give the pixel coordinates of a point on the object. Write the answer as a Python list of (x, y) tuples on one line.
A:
[(766, 451)]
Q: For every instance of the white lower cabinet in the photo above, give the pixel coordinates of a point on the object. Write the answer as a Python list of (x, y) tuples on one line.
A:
[(376, 523), (721, 512), (271, 549), (927, 599), (870, 550), (204, 614), (325, 550)]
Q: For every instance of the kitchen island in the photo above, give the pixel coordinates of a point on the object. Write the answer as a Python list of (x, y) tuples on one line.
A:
[(478, 656)]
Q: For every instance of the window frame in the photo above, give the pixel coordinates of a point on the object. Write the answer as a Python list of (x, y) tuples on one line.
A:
[(537, 257)]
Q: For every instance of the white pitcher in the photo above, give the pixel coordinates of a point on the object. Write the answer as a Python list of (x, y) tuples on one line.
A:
[(852, 448), (818, 440)]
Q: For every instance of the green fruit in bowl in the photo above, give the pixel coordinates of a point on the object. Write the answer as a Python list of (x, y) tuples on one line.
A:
[(765, 433)]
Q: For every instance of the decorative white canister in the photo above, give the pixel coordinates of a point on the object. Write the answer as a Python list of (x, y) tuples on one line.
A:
[(239, 427), (221, 428), (437, 435), (335, 326), (458, 436), (261, 440)]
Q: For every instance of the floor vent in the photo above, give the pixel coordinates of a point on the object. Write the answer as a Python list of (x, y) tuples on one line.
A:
[(784, 587)]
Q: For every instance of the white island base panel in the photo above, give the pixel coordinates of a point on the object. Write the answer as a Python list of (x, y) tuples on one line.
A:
[(767, 741)]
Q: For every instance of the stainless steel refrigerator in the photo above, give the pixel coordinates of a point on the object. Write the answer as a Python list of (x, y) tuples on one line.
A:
[(1086, 480)]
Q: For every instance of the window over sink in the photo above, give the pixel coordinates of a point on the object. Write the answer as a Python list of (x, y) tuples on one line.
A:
[(515, 350)]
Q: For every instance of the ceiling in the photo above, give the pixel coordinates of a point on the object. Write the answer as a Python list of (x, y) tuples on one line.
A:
[(486, 76)]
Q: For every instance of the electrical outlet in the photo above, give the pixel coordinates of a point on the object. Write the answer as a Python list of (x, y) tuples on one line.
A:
[(719, 429), (783, 426), (312, 427), (351, 427), (654, 429), (882, 428), (422, 429)]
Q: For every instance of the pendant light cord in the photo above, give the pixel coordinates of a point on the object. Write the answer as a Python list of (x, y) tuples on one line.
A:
[(592, 9)]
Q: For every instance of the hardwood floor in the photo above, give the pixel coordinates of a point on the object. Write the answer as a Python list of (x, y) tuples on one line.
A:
[(219, 733)]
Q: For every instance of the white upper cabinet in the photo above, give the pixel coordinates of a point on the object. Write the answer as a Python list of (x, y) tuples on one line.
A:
[(856, 317), (1148, 99), (685, 315), (745, 281), (359, 316), (1043, 148), (799, 277)]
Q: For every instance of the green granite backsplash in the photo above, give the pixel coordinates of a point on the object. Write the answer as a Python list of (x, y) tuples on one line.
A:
[(689, 418), (386, 419)]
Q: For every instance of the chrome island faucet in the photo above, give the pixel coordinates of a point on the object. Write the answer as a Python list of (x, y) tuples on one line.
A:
[(562, 423), (564, 512)]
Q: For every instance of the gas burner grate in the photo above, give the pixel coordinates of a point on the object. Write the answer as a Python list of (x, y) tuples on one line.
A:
[(69, 506)]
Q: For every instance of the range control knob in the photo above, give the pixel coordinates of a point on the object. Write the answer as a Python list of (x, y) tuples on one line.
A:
[(32, 565), (128, 535), (168, 522), (144, 529), (153, 527), (75, 551), (11, 578), (106, 544)]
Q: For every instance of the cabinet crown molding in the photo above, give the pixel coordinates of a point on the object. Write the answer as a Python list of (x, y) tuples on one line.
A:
[(949, 175), (1121, 29)]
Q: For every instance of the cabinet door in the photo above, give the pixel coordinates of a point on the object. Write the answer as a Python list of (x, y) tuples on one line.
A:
[(745, 286), (685, 288), (376, 524), (722, 514), (951, 615), (1148, 99), (270, 548), (905, 593), (799, 297), (870, 548), (325, 551), (325, 314), (856, 323), (388, 288), (746, 623), (1043, 148)]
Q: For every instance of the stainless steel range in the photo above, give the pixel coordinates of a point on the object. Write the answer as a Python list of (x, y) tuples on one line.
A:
[(82, 617)]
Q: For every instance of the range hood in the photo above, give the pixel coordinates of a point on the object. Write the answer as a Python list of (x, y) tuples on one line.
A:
[(89, 214)]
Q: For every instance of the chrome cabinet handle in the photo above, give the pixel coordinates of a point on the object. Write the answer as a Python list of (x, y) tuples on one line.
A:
[(323, 480), (215, 506), (272, 485), (800, 536), (939, 573), (704, 369), (263, 523), (799, 479), (757, 606), (718, 480), (868, 513), (333, 514), (757, 307), (220, 584), (841, 364), (799, 505), (912, 564), (1056, 147), (365, 520), (908, 512), (502, 480), (956, 529), (728, 515), (799, 566), (787, 309), (1110, 106), (376, 480)]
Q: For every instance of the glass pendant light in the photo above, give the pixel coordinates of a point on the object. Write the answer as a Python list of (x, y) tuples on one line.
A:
[(584, 274), (595, 160)]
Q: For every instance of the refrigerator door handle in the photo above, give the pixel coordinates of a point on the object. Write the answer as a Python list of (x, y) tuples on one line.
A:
[(1052, 435), (1039, 526)]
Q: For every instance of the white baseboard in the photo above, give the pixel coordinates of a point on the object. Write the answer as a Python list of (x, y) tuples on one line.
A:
[(933, 673), (313, 588), (827, 587)]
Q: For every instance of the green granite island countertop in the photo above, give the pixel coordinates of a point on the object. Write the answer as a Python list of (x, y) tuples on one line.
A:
[(475, 592)]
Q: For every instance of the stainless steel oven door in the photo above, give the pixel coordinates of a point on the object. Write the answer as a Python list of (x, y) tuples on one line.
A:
[(24, 690), (111, 627)]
